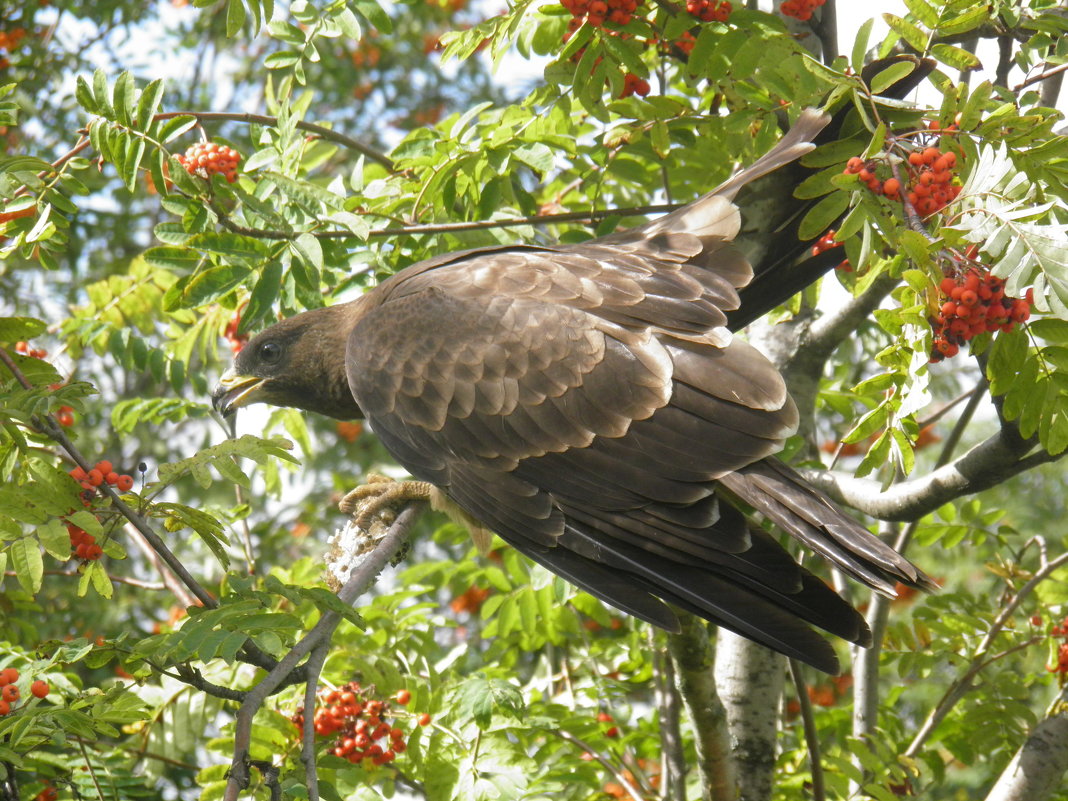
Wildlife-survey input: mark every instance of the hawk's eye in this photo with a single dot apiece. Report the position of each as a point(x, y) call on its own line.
point(270, 352)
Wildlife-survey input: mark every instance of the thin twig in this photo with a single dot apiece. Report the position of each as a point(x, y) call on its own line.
point(960, 686)
point(591, 216)
point(143, 585)
point(633, 791)
point(812, 737)
point(310, 127)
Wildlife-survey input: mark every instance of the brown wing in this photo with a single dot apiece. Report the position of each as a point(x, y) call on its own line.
point(583, 408)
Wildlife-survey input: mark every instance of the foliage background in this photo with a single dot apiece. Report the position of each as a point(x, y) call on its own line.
point(359, 142)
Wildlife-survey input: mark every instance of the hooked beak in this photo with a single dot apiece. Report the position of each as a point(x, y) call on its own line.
point(234, 391)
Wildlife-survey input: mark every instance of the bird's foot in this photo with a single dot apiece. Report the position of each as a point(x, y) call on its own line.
point(380, 493)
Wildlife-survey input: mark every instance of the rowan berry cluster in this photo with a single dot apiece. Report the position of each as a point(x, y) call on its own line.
point(10, 693)
point(49, 793)
point(34, 353)
point(709, 10)
point(363, 727)
point(651, 769)
point(1060, 667)
point(634, 85)
point(65, 414)
point(800, 9)
point(930, 176)
point(470, 600)
point(83, 545)
point(9, 40)
point(971, 304)
point(207, 158)
point(828, 242)
point(597, 12)
point(237, 341)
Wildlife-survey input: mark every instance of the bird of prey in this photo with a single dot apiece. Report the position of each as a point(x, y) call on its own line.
point(589, 404)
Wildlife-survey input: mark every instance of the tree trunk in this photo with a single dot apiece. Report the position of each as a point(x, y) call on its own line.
point(750, 680)
point(1037, 770)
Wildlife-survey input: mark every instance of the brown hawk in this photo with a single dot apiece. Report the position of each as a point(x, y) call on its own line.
point(590, 405)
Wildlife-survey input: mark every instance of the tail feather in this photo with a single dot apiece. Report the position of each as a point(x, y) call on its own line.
point(780, 494)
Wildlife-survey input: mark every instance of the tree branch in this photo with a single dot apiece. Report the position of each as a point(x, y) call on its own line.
point(1037, 770)
point(694, 656)
point(989, 463)
point(359, 580)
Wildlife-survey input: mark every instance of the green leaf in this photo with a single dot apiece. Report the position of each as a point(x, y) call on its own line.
point(211, 284)
point(823, 215)
point(14, 329)
point(923, 12)
point(478, 697)
point(123, 98)
point(309, 250)
point(179, 259)
point(915, 38)
point(891, 75)
point(148, 103)
point(55, 539)
point(858, 57)
point(28, 564)
point(263, 295)
point(235, 17)
point(84, 95)
point(955, 57)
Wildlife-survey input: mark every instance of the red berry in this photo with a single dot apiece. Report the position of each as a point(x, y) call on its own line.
point(111, 477)
point(8, 676)
point(930, 154)
point(95, 477)
point(10, 693)
point(424, 719)
point(93, 552)
point(891, 186)
point(39, 688)
point(124, 483)
point(855, 164)
point(916, 158)
point(5, 707)
point(1036, 620)
point(104, 466)
point(403, 697)
point(78, 474)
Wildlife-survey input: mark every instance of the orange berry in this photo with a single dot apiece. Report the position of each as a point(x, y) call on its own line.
point(78, 474)
point(111, 477)
point(10, 693)
point(93, 552)
point(947, 285)
point(403, 697)
point(104, 466)
point(891, 186)
point(424, 719)
point(5, 707)
point(855, 164)
point(39, 688)
point(8, 676)
point(866, 175)
point(124, 483)
point(916, 158)
point(930, 154)
point(94, 477)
